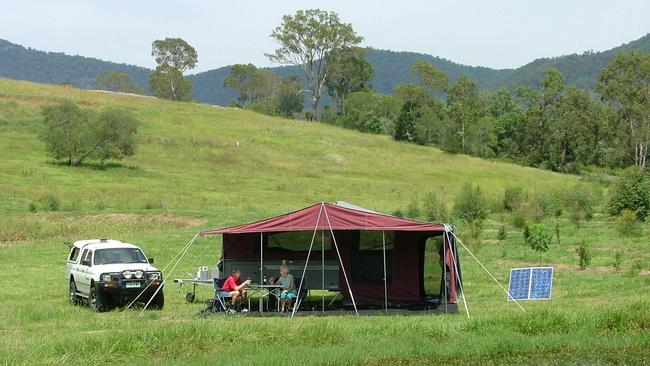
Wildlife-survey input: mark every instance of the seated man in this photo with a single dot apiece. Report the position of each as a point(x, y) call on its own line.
point(235, 287)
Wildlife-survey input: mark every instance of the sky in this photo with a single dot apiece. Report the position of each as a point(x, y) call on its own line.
point(496, 34)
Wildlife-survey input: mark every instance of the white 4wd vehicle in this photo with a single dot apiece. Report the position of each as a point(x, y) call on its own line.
point(110, 273)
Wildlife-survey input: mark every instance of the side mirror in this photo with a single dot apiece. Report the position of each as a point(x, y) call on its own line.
point(151, 260)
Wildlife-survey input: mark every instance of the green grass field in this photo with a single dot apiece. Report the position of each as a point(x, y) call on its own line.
point(200, 166)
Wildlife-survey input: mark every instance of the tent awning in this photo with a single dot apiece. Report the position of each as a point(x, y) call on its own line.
point(323, 216)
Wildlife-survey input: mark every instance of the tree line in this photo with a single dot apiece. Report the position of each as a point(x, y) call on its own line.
point(554, 126)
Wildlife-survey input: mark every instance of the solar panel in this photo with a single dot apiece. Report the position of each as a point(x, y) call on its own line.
point(534, 283)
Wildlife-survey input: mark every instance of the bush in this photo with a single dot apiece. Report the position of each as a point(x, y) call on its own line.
point(470, 204)
point(539, 239)
point(412, 210)
point(475, 228)
point(502, 234)
point(512, 197)
point(548, 205)
point(584, 255)
point(580, 203)
point(632, 192)
point(49, 203)
point(627, 223)
point(519, 218)
point(618, 260)
point(434, 209)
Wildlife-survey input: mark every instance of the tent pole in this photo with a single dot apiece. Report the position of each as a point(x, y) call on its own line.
point(462, 292)
point(338, 253)
point(261, 269)
point(304, 270)
point(444, 266)
point(322, 274)
point(383, 239)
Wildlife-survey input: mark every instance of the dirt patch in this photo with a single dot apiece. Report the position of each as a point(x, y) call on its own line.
point(559, 266)
point(645, 272)
point(335, 158)
point(181, 221)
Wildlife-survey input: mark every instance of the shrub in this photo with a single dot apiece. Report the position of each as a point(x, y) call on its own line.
point(31, 207)
point(632, 192)
point(475, 228)
point(502, 234)
point(580, 203)
point(548, 205)
point(618, 260)
point(519, 218)
point(434, 209)
point(49, 203)
point(539, 239)
point(584, 255)
point(412, 210)
point(512, 197)
point(627, 223)
point(470, 204)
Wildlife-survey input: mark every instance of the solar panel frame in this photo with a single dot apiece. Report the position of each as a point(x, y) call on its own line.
point(512, 296)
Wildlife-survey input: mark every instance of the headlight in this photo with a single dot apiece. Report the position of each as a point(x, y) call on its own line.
point(151, 276)
point(138, 274)
point(127, 274)
point(106, 277)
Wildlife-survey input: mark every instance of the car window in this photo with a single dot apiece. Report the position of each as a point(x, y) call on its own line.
point(74, 254)
point(119, 255)
point(86, 258)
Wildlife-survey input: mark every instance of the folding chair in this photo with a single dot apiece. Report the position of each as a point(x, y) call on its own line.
point(301, 298)
point(221, 297)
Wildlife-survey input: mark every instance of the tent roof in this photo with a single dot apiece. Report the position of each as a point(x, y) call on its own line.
point(323, 215)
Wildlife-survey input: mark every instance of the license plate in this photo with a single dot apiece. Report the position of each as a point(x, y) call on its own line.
point(132, 284)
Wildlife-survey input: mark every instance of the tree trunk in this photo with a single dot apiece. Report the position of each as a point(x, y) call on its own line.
point(462, 137)
point(314, 107)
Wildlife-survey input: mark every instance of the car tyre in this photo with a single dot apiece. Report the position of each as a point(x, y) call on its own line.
point(97, 301)
point(158, 301)
point(72, 294)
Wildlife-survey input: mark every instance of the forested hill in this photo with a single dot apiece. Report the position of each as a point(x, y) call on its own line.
point(391, 68)
point(18, 62)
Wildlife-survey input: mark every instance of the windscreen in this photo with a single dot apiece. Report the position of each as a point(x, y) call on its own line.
point(119, 255)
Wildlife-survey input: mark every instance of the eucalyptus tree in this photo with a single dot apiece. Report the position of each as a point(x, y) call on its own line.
point(174, 56)
point(307, 39)
point(429, 76)
point(625, 84)
point(347, 71)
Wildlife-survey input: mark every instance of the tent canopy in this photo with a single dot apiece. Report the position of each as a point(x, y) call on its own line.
point(323, 216)
point(381, 268)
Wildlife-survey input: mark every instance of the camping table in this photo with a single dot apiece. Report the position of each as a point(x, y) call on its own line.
point(261, 289)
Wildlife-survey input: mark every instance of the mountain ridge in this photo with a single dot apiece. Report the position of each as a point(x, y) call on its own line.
point(391, 68)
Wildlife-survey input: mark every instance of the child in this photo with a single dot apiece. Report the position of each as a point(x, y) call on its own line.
point(288, 287)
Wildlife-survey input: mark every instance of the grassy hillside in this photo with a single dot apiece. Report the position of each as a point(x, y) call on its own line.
point(199, 166)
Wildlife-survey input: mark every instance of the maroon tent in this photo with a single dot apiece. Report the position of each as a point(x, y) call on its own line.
point(373, 258)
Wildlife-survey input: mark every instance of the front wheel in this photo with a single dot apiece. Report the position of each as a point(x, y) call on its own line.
point(158, 301)
point(72, 294)
point(97, 301)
